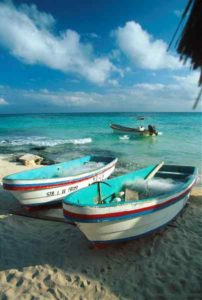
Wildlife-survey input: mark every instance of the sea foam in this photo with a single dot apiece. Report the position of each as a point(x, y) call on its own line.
point(124, 137)
point(39, 141)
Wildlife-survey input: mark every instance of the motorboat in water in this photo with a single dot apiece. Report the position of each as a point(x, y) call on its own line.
point(140, 130)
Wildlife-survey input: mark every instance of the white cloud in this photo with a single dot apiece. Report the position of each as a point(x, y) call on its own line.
point(149, 86)
point(92, 35)
point(143, 50)
point(3, 101)
point(62, 99)
point(189, 84)
point(27, 33)
point(178, 95)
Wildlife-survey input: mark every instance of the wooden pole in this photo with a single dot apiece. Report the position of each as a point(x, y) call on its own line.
point(99, 194)
point(154, 171)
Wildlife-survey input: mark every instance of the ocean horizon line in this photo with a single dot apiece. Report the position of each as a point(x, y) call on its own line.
point(101, 112)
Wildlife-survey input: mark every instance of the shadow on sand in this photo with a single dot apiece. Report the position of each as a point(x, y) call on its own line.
point(143, 267)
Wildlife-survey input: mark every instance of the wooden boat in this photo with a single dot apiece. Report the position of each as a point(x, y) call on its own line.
point(50, 184)
point(132, 205)
point(150, 131)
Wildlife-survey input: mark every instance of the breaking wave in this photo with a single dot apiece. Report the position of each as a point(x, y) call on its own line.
point(39, 141)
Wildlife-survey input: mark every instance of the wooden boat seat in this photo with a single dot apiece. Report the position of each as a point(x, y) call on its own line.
point(174, 173)
point(131, 195)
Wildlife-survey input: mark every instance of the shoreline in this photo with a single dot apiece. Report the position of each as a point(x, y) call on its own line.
point(9, 167)
point(47, 260)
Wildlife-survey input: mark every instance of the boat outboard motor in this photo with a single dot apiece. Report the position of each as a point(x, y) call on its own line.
point(152, 130)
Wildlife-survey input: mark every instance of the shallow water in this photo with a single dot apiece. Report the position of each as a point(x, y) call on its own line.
point(61, 137)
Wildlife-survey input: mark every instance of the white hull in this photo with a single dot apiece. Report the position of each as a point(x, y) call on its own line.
point(131, 228)
point(56, 194)
point(139, 212)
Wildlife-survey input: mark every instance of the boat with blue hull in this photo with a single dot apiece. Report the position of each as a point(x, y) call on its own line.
point(130, 206)
point(50, 184)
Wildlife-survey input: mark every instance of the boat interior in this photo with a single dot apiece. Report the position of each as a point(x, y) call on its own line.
point(66, 169)
point(133, 187)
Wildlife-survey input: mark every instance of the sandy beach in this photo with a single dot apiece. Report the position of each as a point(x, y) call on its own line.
point(48, 260)
point(101, 89)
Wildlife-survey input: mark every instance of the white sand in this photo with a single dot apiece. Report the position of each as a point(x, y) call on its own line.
point(48, 260)
point(7, 167)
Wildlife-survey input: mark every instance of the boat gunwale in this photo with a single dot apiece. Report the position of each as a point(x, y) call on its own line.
point(125, 129)
point(124, 203)
point(183, 187)
point(14, 182)
point(124, 215)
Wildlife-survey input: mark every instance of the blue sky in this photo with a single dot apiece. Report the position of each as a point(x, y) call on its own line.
point(92, 56)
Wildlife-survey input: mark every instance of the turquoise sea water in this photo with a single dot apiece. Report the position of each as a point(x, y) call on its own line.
point(61, 137)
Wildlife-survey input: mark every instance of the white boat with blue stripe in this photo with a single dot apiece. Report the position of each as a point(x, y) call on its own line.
point(50, 184)
point(130, 206)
